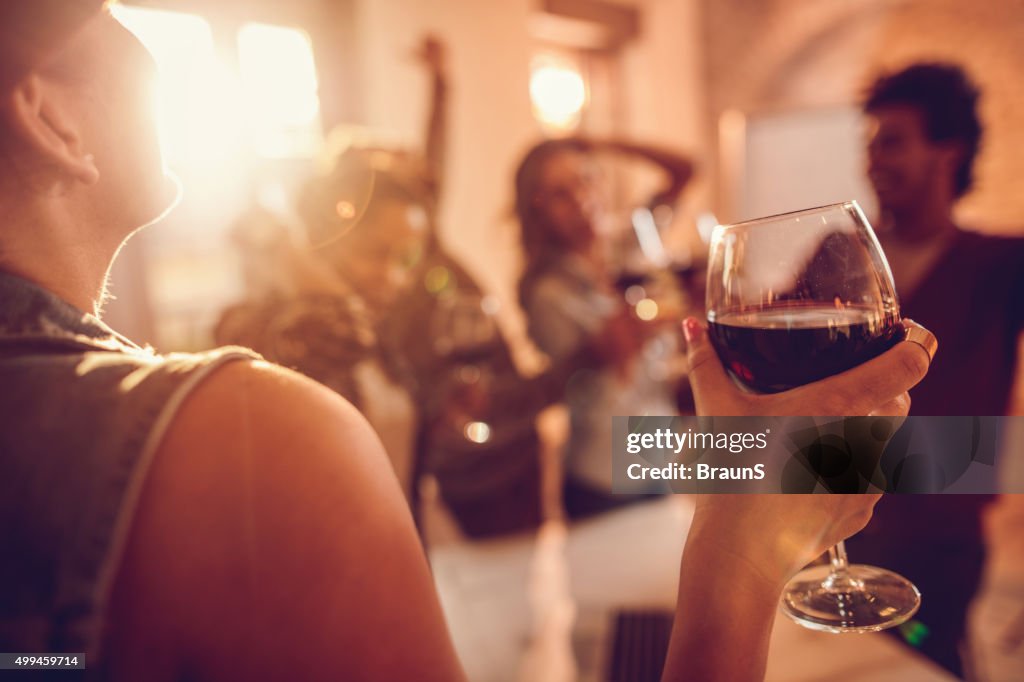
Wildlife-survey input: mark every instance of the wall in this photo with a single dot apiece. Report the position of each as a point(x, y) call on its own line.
point(664, 83)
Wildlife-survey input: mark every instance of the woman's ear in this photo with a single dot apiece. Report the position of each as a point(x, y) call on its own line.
point(44, 129)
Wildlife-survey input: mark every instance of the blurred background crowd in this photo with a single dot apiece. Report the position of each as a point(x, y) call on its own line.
point(717, 81)
point(482, 221)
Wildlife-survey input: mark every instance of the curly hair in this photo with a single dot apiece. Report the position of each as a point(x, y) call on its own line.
point(947, 101)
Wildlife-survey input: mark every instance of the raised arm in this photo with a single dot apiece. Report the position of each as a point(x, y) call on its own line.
point(678, 168)
point(742, 549)
point(740, 552)
point(432, 55)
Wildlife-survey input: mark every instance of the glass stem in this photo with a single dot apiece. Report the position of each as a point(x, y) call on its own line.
point(839, 578)
point(837, 557)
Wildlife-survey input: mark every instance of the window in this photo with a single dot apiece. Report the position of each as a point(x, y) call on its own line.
point(210, 110)
point(279, 81)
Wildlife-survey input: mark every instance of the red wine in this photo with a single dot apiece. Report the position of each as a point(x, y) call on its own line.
point(779, 348)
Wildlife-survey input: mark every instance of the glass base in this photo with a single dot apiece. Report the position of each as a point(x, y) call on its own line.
point(865, 599)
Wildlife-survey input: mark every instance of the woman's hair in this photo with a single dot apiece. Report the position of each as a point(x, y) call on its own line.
point(539, 243)
point(33, 38)
point(32, 32)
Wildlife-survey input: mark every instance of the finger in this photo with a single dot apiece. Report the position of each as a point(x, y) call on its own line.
point(865, 388)
point(706, 374)
point(896, 411)
point(860, 516)
point(897, 407)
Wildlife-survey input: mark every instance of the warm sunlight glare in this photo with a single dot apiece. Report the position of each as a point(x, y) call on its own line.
point(280, 84)
point(212, 112)
point(199, 103)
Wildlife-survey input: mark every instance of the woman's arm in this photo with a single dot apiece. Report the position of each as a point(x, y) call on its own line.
point(742, 549)
point(678, 168)
point(740, 552)
point(432, 54)
point(272, 541)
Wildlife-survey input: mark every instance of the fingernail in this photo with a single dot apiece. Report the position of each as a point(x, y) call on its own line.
point(691, 329)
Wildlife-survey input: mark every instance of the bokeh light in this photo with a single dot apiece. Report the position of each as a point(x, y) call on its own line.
point(437, 279)
point(346, 210)
point(477, 432)
point(558, 93)
point(647, 309)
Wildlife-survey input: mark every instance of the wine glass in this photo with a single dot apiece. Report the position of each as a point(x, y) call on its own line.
point(652, 278)
point(792, 299)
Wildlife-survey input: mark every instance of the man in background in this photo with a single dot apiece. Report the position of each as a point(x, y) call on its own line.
point(924, 136)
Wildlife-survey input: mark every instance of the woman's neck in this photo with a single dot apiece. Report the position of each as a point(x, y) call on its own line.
point(62, 255)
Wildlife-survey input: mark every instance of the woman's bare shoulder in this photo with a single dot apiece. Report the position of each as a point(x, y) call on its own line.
point(270, 511)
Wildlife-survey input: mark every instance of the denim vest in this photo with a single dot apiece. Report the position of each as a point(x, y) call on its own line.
point(82, 411)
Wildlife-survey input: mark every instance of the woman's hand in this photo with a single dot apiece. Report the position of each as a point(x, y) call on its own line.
point(742, 549)
point(431, 53)
point(620, 341)
point(877, 387)
point(740, 552)
point(776, 535)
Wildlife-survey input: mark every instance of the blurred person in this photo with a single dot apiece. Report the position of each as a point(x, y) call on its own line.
point(924, 136)
point(491, 480)
point(212, 516)
point(296, 311)
point(451, 407)
point(568, 293)
point(315, 299)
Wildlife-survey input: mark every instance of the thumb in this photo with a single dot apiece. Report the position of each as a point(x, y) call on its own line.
point(707, 376)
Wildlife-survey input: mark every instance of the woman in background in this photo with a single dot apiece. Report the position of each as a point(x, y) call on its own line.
point(568, 292)
point(369, 303)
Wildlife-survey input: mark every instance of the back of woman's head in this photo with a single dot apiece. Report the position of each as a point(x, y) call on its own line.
point(31, 35)
point(32, 32)
point(77, 119)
